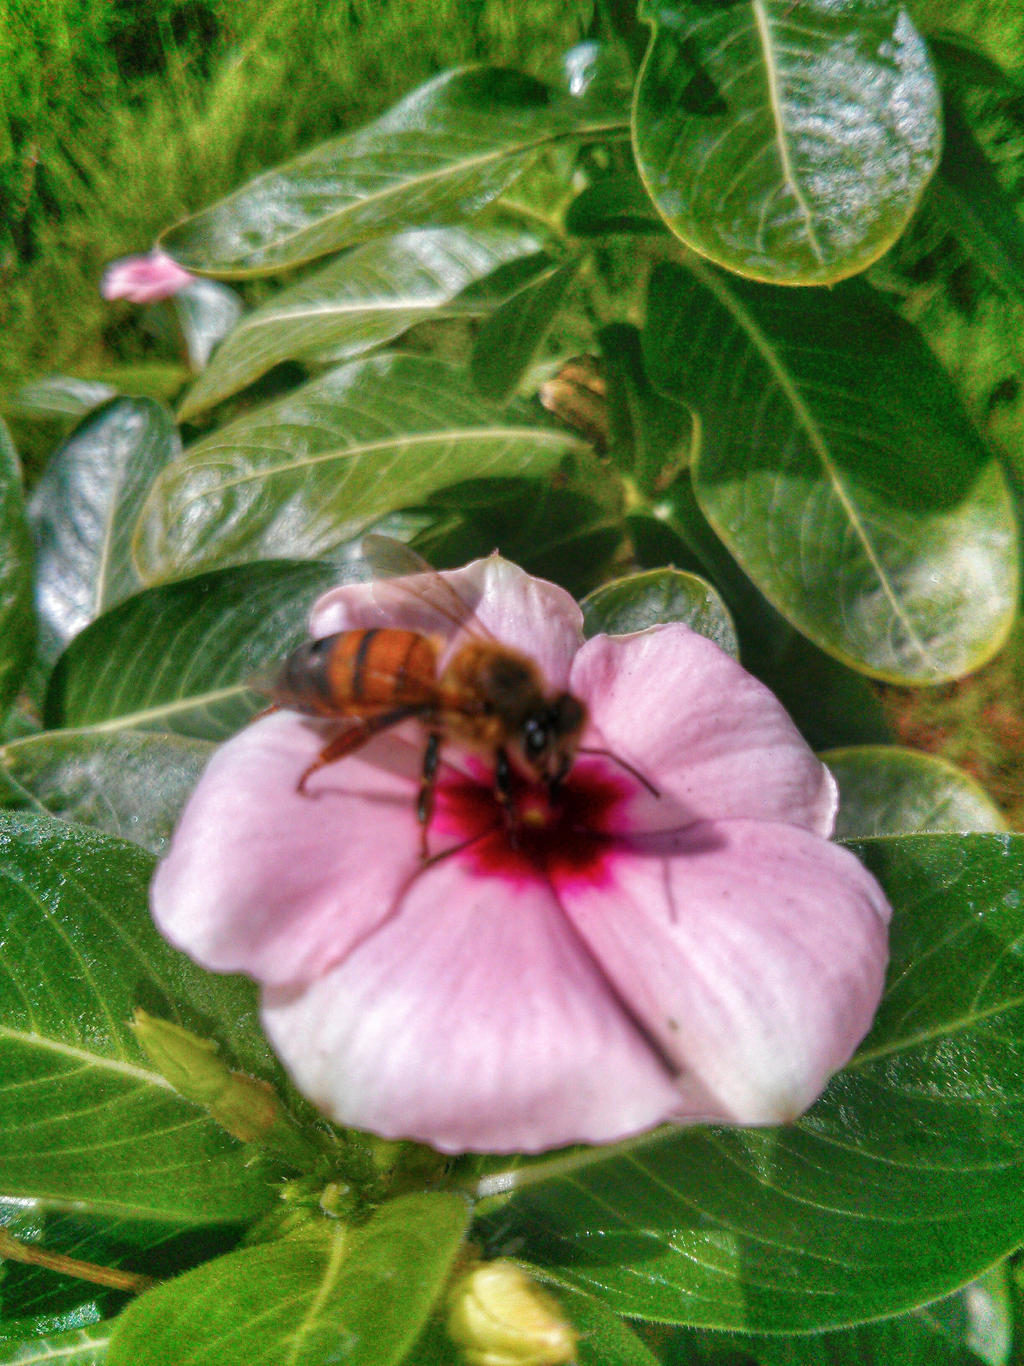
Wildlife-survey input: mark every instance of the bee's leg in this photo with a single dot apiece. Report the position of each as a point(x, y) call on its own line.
point(350, 739)
point(274, 706)
point(428, 785)
point(503, 792)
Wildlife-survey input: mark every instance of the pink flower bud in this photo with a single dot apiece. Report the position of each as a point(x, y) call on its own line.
point(144, 279)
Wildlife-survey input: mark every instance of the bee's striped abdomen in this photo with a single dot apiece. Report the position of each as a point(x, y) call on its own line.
point(382, 668)
point(359, 673)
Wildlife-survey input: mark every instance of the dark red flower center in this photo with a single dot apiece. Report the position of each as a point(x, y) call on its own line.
point(557, 835)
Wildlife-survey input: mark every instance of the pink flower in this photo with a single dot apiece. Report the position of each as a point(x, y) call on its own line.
point(702, 955)
point(144, 279)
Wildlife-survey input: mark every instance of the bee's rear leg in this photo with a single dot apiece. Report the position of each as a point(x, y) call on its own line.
point(428, 786)
point(350, 739)
point(335, 749)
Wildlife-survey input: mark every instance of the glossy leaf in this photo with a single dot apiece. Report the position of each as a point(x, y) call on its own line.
point(84, 1118)
point(17, 628)
point(352, 1295)
point(600, 70)
point(207, 311)
point(128, 783)
point(300, 477)
point(84, 509)
point(58, 396)
point(886, 790)
point(986, 1312)
point(512, 336)
point(789, 143)
point(179, 658)
point(858, 497)
point(78, 1347)
point(362, 299)
point(847, 1214)
point(446, 150)
point(640, 600)
point(982, 215)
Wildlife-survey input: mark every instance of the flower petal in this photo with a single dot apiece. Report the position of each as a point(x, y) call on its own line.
point(708, 735)
point(280, 884)
point(753, 952)
point(531, 615)
point(472, 1020)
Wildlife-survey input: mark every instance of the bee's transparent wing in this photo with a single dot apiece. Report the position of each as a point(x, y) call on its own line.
point(400, 573)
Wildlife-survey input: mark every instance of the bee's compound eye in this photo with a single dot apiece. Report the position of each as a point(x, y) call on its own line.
point(536, 738)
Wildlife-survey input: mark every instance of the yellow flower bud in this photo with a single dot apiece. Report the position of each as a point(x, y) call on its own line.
point(498, 1316)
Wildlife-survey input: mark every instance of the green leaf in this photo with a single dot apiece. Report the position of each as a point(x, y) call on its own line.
point(987, 1312)
point(652, 436)
point(359, 301)
point(179, 658)
point(939, 1334)
point(902, 1183)
point(446, 150)
point(604, 1339)
point(886, 790)
point(567, 532)
point(975, 207)
point(302, 476)
point(79, 1347)
point(601, 70)
point(17, 627)
point(613, 203)
point(857, 496)
point(789, 143)
point(84, 508)
point(58, 396)
point(38, 1301)
point(512, 336)
point(84, 1119)
point(673, 530)
point(357, 1296)
point(640, 600)
point(830, 703)
point(962, 62)
point(206, 312)
point(128, 783)
point(992, 29)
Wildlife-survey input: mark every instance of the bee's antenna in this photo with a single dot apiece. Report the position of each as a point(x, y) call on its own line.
point(607, 753)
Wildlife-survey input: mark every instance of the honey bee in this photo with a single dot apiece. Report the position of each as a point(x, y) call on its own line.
point(488, 697)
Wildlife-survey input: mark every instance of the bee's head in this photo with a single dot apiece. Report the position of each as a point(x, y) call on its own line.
point(548, 736)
